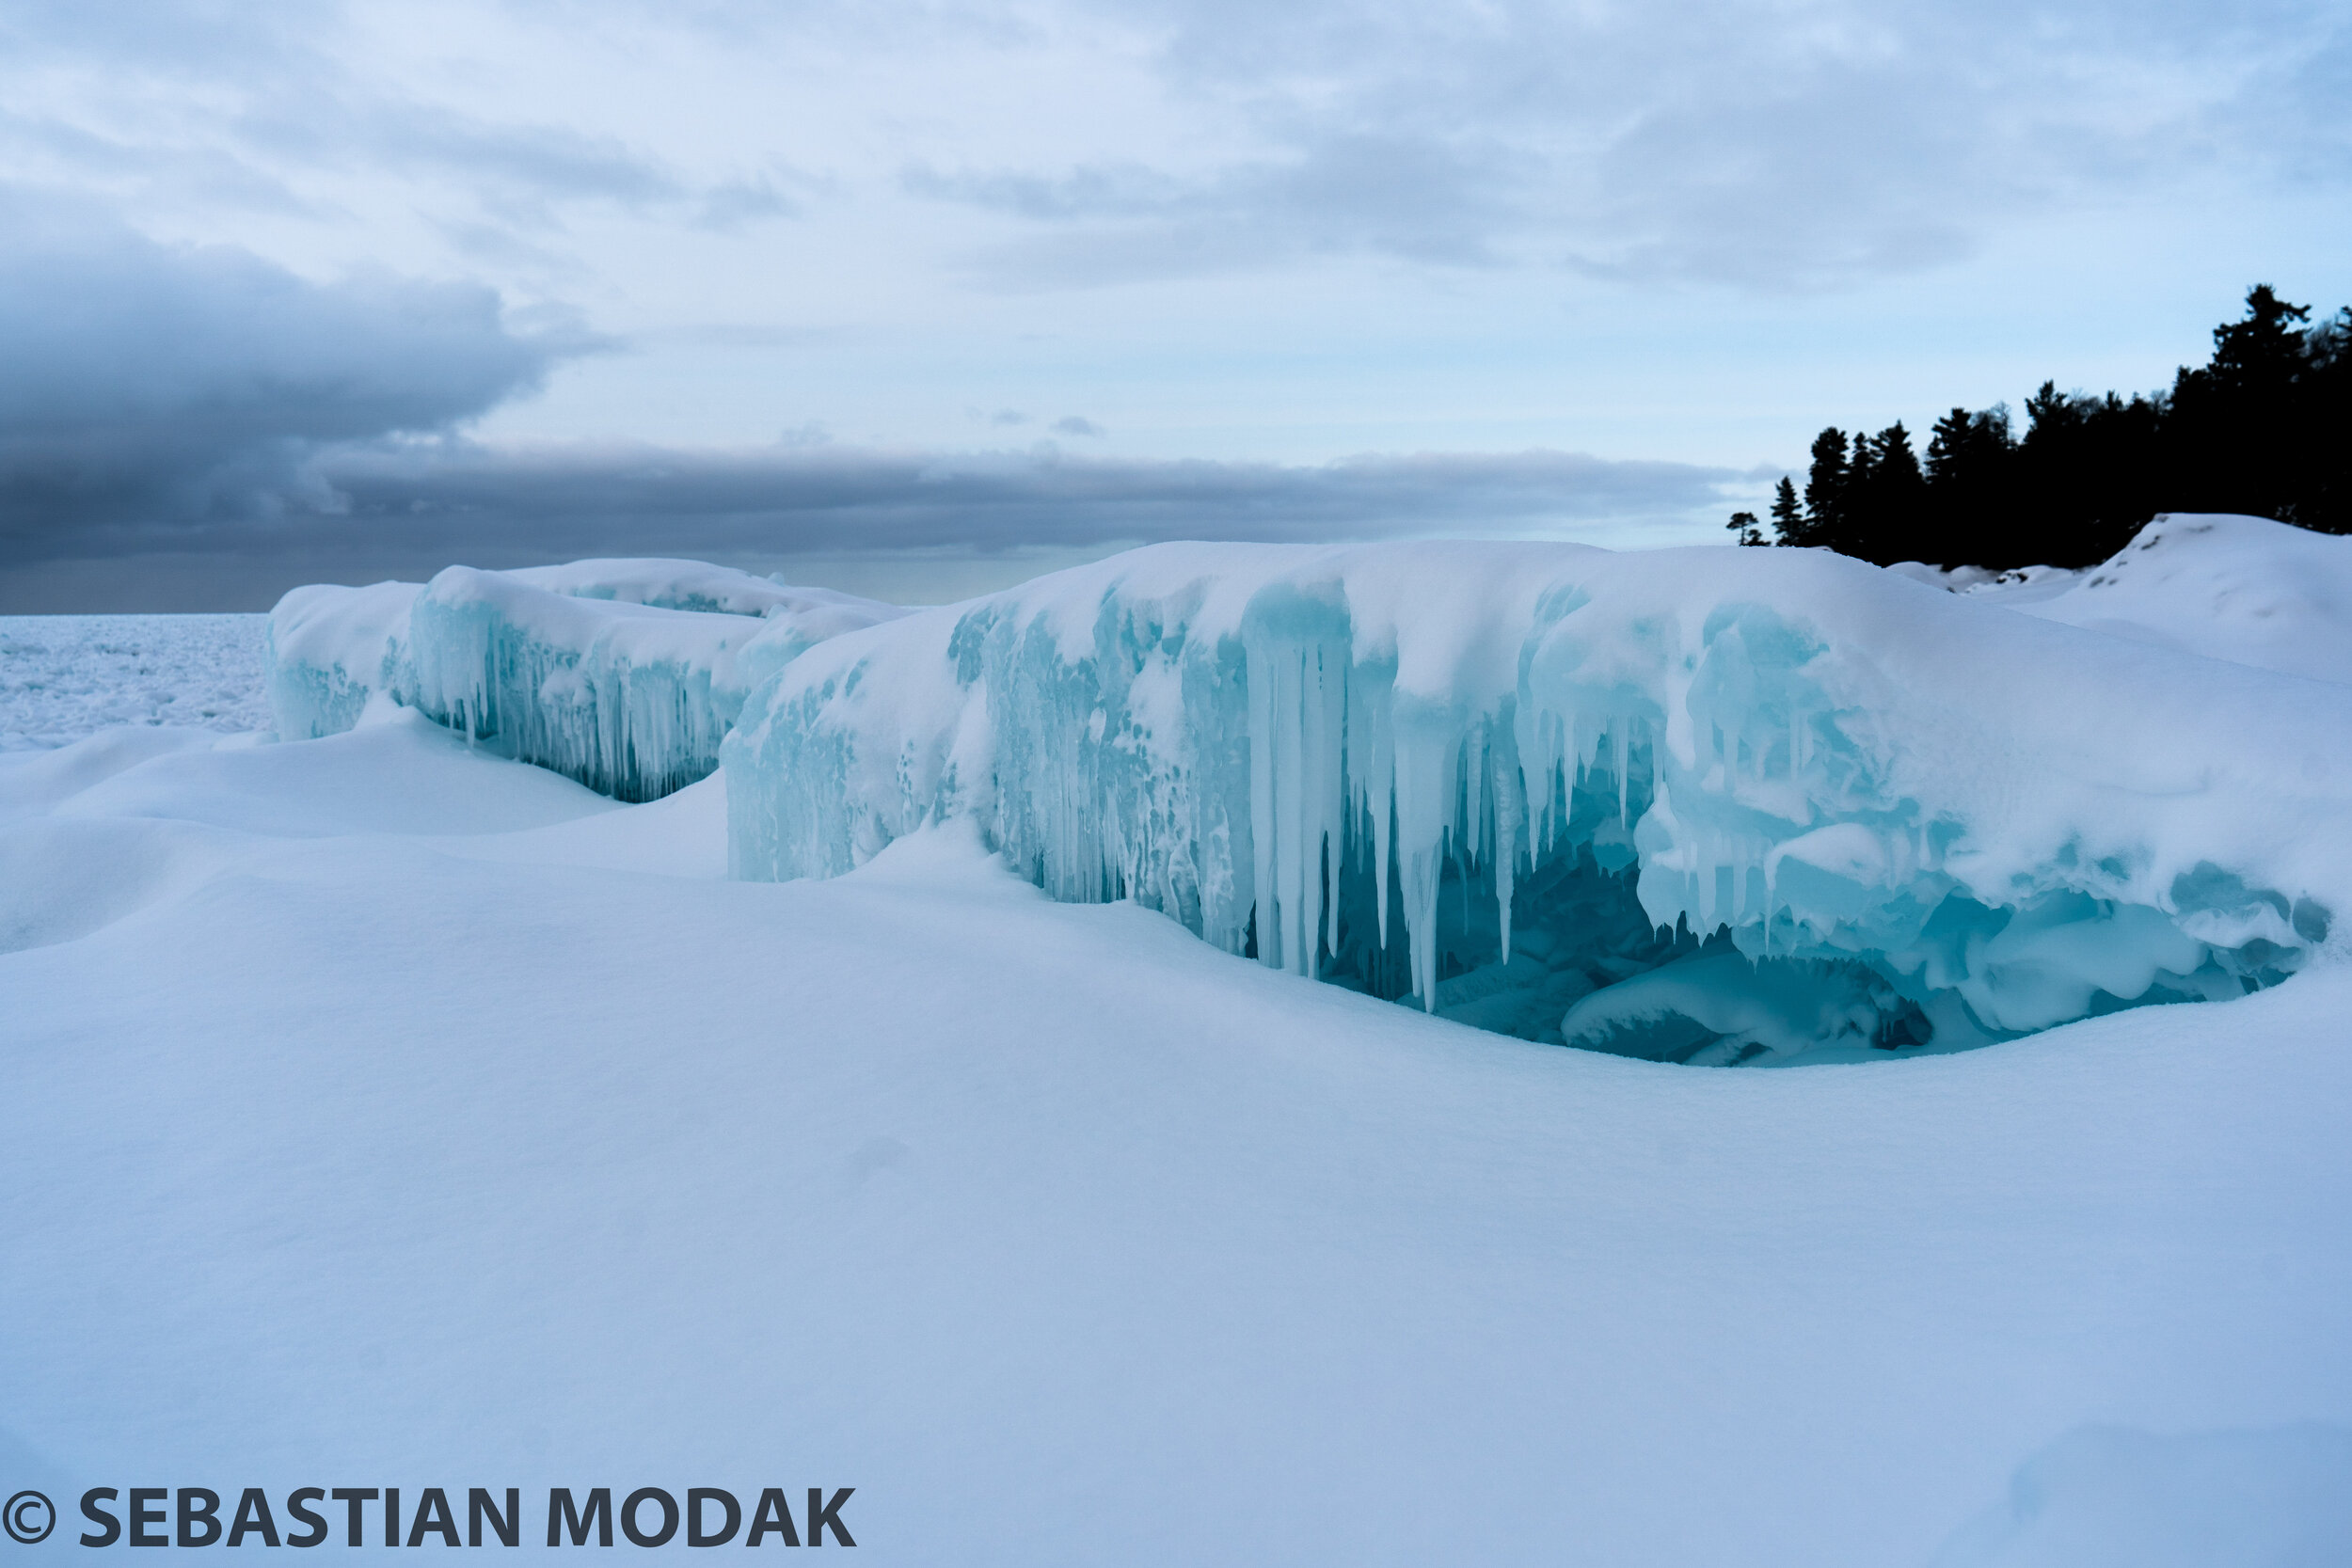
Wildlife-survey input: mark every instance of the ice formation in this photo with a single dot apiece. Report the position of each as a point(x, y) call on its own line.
point(330, 649)
point(1713, 805)
point(623, 674)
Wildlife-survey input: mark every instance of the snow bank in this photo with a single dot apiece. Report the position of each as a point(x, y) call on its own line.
point(2243, 589)
point(623, 674)
point(1819, 808)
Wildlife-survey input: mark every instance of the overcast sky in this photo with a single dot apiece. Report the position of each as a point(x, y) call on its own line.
point(921, 298)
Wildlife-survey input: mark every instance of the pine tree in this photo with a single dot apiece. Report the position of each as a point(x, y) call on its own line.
point(1745, 526)
point(1947, 445)
point(2240, 435)
point(1788, 521)
point(1890, 522)
point(2264, 353)
point(1826, 489)
point(2326, 386)
point(1968, 486)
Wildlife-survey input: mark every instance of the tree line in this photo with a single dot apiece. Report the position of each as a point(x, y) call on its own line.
point(2264, 427)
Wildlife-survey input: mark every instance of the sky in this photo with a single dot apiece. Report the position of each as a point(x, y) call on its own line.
point(920, 299)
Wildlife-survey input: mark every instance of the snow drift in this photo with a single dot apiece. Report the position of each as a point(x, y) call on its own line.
point(623, 674)
point(1711, 806)
point(2242, 589)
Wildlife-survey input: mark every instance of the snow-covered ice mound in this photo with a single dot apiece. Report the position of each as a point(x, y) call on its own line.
point(623, 674)
point(333, 648)
point(1710, 805)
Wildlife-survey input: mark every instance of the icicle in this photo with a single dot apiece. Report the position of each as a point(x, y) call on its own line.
point(1616, 734)
point(1338, 832)
point(1510, 814)
point(1426, 774)
point(1474, 790)
point(1383, 715)
point(1262, 706)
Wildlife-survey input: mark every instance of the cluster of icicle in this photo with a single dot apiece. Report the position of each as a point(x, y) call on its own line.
point(1822, 761)
point(623, 674)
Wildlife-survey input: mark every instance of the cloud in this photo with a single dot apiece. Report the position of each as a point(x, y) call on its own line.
point(180, 415)
point(1340, 191)
point(193, 106)
point(787, 501)
point(1788, 146)
point(149, 392)
point(1802, 145)
point(408, 508)
point(1798, 146)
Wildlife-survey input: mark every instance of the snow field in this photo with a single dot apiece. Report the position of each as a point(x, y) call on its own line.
point(437, 1121)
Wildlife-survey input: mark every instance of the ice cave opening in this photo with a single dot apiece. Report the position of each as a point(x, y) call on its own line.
point(1582, 962)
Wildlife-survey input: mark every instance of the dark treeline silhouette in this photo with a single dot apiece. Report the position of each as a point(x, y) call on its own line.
point(2264, 427)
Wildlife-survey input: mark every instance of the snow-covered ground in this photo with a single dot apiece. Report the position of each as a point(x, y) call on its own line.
point(66, 676)
point(385, 1112)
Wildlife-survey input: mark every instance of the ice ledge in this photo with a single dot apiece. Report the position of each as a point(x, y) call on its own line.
point(623, 674)
point(1798, 803)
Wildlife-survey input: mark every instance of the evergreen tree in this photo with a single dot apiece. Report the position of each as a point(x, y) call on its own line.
point(1824, 490)
point(1745, 526)
point(2263, 354)
point(1788, 521)
point(1968, 472)
point(2325, 503)
point(1967, 450)
point(1894, 502)
point(1861, 471)
point(2242, 434)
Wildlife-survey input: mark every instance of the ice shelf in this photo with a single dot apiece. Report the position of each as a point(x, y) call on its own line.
point(623, 674)
point(1713, 805)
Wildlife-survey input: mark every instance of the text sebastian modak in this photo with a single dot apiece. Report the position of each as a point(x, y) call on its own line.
point(369, 1515)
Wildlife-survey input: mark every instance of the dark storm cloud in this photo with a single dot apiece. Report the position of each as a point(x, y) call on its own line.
point(797, 500)
point(386, 510)
point(150, 393)
point(195, 426)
